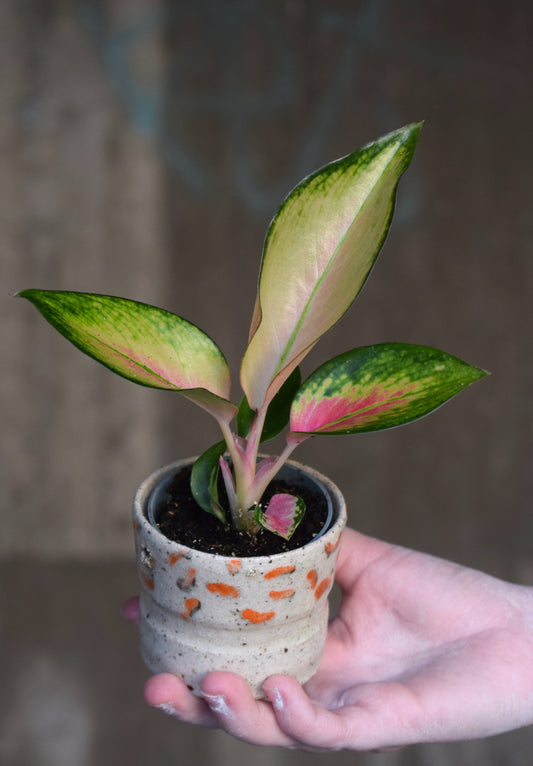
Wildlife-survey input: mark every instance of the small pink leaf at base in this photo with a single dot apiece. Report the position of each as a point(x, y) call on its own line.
point(283, 514)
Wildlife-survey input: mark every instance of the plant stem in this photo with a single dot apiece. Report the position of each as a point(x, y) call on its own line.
point(244, 488)
point(255, 491)
point(230, 441)
point(237, 484)
point(254, 437)
point(239, 519)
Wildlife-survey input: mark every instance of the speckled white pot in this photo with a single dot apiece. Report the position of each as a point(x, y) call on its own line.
point(255, 616)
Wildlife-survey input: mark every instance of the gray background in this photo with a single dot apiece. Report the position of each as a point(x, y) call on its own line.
point(144, 148)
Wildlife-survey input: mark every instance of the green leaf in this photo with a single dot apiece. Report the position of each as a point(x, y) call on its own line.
point(278, 411)
point(204, 480)
point(378, 387)
point(142, 343)
point(245, 418)
point(318, 253)
point(280, 407)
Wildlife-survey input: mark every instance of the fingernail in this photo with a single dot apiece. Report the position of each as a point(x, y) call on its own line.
point(217, 703)
point(167, 708)
point(276, 698)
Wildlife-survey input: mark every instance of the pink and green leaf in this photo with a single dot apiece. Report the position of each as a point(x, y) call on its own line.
point(282, 515)
point(377, 387)
point(144, 344)
point(318, 252)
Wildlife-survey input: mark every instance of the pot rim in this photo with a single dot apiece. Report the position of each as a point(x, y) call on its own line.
point(334, 498)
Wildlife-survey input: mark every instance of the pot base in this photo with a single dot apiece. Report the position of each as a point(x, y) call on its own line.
point(252, 654)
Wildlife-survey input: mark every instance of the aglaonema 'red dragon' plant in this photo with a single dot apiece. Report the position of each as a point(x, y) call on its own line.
point(318, 252)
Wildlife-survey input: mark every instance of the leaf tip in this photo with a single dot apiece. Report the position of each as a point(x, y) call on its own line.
point(23, 294)
point(476, 373)
point(410, 134)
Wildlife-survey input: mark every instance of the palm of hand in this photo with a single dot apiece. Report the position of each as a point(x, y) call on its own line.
point(422, 650)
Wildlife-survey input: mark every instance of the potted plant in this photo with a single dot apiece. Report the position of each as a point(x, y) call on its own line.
point(236, 550)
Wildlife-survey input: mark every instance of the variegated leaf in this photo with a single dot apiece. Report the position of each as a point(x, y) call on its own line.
point(283, 514)
point(318, 252)
point(145, 344)
point(377, 387)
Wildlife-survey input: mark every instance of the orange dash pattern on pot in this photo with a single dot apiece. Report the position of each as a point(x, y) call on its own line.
point(279, 571)
point(312, 576)
point(322, 587)
point(331, 547)
point(257, 617)
point(277, 594)
point(147, 581)
point(233, 566)
point(173, 558)
point(222, 589)
point(191, 606)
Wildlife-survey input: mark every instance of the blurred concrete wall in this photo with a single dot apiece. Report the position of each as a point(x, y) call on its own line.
point(144, 148)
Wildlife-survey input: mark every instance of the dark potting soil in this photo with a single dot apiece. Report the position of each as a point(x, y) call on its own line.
point(181, 519)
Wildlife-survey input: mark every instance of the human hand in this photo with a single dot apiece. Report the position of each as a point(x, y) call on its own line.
point(423, 650)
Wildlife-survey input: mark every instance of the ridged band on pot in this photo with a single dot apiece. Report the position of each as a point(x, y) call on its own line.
point(256, 616)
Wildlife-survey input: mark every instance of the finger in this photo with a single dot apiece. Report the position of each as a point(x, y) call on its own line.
point(239, 714)
point(356, 553)
point(170, 695)
point(351, 726)
point(303, 720)
point(130, 609)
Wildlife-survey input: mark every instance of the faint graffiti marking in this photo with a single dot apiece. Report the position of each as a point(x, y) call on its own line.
point(160, 109)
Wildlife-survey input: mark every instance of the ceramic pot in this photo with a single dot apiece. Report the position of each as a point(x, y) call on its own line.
point(255, 616)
